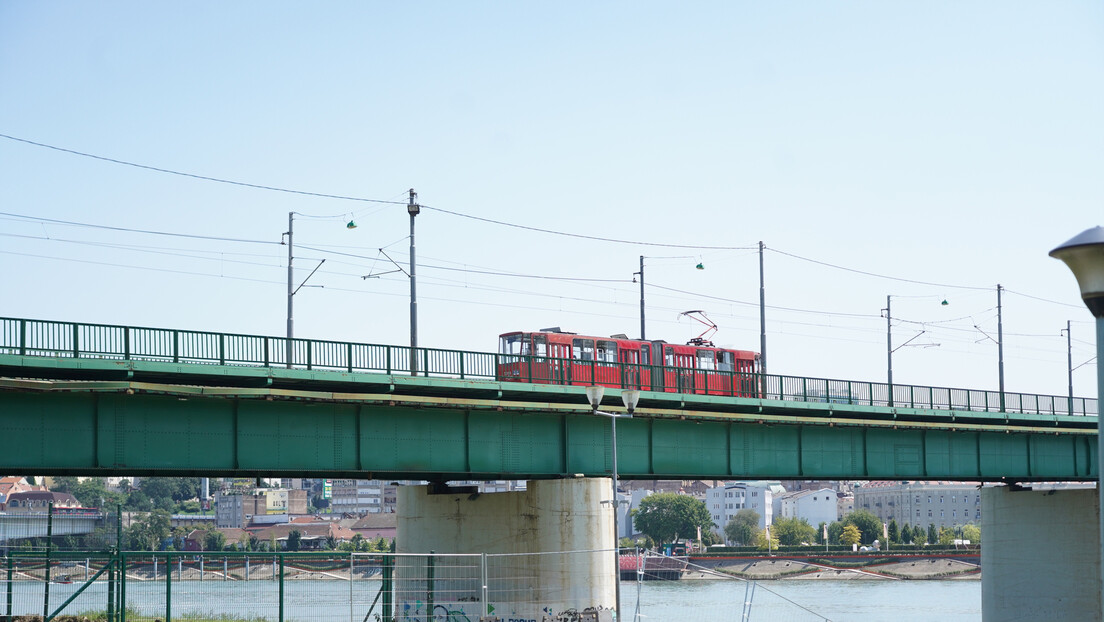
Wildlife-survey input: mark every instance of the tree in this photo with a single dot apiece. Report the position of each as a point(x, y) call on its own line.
point(933, 535)
point(850, 535)
point(894, 532)
point(667, 516)
point(294, 539)
point(147, 533)
point(869, 526)
point(793, 531)
point(742, 526)
point(214, 540)
point(835, 531)
point(946, 535)
point(906, 534)
point(761, 540)
point(972, 533)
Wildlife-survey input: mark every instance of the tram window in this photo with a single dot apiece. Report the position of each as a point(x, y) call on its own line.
point(646, 355)
point(706, 359)
point(725, 361)
point(583, 349)
point(669, 357)
point(511, 344)
point(540, 345)
point(607, 351)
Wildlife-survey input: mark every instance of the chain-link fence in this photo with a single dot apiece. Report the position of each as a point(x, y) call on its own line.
point(143, 587)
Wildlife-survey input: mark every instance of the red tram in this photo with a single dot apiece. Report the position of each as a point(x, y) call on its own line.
point(552, 356)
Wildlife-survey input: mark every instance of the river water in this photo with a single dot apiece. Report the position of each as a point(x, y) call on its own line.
point(676, 601)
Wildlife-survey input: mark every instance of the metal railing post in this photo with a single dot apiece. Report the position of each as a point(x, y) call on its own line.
point(486, 609)
point(49, 545)
point(22, 337)
point(429, 587)
point(126, 344)
point(11, 575)
point(222, 349)
point(388, 584)
point(168, 588)
point(111, 588)
point(349, 357)
point(76, 341)
point(176, 346)
point(281, 588)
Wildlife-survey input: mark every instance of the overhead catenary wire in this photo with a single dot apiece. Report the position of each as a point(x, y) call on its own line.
point(488, 220)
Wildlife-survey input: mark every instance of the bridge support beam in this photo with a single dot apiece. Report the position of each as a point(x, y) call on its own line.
point(1040, 559)
point(548, 549)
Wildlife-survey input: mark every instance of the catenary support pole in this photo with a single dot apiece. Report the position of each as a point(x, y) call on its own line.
point(290, 290)
point(889, 352)
point(641, 273)
point(413, 209)
point(1000, 347)
point(762, 314)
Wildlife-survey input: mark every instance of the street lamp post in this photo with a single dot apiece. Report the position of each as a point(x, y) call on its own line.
point(1084, 256)
point(629, 399)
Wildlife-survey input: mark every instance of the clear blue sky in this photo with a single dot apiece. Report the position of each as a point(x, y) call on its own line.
point(943, 142)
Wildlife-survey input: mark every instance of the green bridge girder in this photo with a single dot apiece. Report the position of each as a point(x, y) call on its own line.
point(103, 417)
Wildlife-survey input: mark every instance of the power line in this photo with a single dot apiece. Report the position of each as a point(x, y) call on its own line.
point(874, 274)
point(586, 237)
point(1053, 302)
point(195, 176)
point(343, 197)
point(129, 230)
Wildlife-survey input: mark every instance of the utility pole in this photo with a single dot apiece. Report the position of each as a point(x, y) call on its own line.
point(1000, 347)
point(762, 315)
point(889, 352)
point(641, 273)
point(291, 291)
point(413, 209)
point(1069, 363)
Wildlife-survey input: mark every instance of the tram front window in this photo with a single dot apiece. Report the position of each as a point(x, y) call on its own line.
point(513, 344)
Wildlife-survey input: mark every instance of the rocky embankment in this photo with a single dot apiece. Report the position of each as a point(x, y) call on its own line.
point(884, 568)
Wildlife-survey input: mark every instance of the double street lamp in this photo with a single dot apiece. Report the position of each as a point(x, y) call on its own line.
point(629, 398)
point(1084, 256)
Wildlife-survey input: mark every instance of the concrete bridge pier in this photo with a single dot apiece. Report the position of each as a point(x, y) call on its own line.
point(549, 549)
point(1040, 558)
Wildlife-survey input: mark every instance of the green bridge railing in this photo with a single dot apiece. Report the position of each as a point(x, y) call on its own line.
point(46, 338)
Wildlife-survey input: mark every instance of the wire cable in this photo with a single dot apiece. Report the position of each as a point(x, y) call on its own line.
point(878, 275)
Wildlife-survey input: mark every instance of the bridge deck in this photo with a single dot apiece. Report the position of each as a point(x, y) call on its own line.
point(171, 418)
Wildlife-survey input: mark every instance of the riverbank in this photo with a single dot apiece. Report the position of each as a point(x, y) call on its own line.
point(837, 569)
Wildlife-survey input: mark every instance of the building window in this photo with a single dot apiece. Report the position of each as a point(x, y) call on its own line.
point(917, 512)
point(929, 513)
point(940, 513)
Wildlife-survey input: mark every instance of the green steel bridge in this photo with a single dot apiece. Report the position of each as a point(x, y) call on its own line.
point(94, 399)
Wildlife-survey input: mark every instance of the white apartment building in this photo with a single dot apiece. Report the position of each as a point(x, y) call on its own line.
point(921, 503)
point(361, 496)
point(815, 506)
point(725, 501)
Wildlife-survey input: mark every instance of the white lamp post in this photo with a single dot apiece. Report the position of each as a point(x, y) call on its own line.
point(1084, 255)
point(629, 399)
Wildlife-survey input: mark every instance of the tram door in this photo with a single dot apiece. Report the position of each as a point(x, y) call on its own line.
point(559, 363)
point(629, 359)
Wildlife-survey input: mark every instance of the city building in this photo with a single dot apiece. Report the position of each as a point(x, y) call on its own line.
point(35, 501)
point(726, 500)
point(262, 506)
point(16, 483)
point(363, 496)
point(921, 503)
point(815, 506)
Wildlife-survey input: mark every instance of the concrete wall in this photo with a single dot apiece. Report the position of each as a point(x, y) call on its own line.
point(1040, 555)
point(535, 526)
